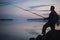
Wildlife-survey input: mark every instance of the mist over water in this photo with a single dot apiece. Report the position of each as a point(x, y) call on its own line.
point(19, 28)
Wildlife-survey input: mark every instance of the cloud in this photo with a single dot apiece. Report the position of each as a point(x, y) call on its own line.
point(12, 0)
point(45, 10)
point(41, 10)
point(46, 14)
point(4, 2)
point(38, 6)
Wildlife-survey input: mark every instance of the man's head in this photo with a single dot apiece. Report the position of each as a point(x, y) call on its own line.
point(52, 8)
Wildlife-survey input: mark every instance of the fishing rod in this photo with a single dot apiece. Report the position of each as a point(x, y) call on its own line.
point(26, 10)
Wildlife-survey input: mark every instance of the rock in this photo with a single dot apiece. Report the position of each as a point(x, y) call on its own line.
point(51, 35)
point(32, 39)
point(39, 37)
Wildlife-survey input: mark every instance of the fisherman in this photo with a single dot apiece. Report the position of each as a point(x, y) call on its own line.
point(52, 20)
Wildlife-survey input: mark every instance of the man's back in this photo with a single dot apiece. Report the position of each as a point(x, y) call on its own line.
point(53, 17)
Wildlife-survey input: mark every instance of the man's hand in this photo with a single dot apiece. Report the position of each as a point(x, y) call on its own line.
point(45, 18)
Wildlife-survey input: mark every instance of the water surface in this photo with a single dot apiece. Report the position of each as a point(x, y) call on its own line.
point(21, 30)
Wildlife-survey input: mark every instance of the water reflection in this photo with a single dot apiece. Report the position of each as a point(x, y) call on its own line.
point(20, 30)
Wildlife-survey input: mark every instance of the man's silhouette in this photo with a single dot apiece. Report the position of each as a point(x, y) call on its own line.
point(52, 19)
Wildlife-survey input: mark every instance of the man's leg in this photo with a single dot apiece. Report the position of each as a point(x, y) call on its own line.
point(44, 29)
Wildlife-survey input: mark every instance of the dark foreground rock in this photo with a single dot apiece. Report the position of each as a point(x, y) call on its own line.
point(51, 35)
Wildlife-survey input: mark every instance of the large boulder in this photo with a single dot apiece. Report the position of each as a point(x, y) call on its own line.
point(51, 35)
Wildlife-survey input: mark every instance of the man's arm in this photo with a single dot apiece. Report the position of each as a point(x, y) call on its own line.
point(46, 18)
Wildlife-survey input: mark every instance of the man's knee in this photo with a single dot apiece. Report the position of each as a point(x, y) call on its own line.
point(44, 29)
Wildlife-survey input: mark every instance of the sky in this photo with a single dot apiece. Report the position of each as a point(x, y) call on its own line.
point(41, 7)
